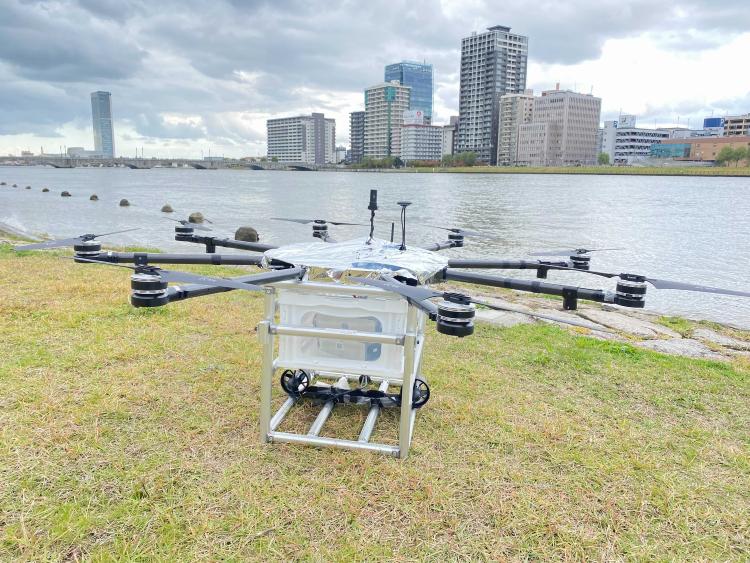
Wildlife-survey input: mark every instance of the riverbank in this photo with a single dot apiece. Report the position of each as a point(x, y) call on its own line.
point(582, 170)
point(132, 434)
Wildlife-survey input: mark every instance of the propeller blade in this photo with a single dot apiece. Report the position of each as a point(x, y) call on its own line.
point(459, 231)
point(186, 223)
point(306, 221)
point(668, 284)
point(570, 252)
point(117, 232)
point(582, 324)
point(50, 244)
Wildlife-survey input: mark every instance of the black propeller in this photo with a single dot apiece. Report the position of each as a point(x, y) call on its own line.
point(462, 232)
point(570, 252)
point(68, 241)
point(317, 221)
point(417, 295)
point(187, 223)
point(184, 277)
point(659, 283)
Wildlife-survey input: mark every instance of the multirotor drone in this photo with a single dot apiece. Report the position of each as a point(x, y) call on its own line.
point(350, 316)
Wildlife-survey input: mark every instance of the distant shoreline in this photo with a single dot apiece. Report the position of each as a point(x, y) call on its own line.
point(571, 170)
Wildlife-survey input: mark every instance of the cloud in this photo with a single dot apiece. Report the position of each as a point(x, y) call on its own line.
point(188, 73)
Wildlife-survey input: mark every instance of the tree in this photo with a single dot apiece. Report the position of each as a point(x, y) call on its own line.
point(275, 159)
point(742, 153)
point(726, 155)
point(603, 158)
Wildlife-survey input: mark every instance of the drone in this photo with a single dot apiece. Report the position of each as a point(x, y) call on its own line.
point(344, 321)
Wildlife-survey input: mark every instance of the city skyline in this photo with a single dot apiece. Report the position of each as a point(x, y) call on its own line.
point(178, 94)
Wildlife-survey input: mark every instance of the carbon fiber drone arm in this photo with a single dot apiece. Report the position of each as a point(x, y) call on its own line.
point(440, 246)
point(212, 242)
point(144, 258)
point(570, 294)
point(503, 264)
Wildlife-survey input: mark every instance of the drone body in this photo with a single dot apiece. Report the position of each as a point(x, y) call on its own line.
point(354, 312)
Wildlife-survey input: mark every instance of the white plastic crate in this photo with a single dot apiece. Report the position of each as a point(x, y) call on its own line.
point(385, 314)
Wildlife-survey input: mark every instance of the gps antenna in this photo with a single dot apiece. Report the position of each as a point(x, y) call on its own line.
point(373, 207)
point(404, 205)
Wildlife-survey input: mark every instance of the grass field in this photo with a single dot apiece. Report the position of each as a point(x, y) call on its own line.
point(590, 170)
point(132, 435)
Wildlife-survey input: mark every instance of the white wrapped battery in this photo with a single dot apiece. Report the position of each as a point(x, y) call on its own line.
point(383, 314)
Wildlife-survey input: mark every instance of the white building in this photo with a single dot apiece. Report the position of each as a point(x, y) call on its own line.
point(421, 142)
point(626, 143)
point(515, 110)
point(493, 63)
point(449, 139)
point(306, 139)
point(385, 105)
point(568, 138)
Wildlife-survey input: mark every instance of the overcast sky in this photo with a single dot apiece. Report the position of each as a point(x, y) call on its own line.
point(188, 75)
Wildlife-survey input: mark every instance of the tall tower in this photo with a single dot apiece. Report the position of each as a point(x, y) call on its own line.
point(101, 115)
point(357, 135)
point(492, 64)
point(384, 115)
point(419, 77)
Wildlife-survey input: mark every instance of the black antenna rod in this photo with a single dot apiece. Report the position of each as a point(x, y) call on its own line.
point(404, 205)
point(373, 207)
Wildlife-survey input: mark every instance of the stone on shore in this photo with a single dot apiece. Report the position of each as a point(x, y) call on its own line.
point(167, 209)
point(28, 187)
point(501, 318)
point(681, 347)
point(708, 335)
point(45, 190)
point(628, 324)
point(65, 193)
point(94, 197)
point(124, 203)
point(247, 234)
point(196, 217)
point(15, 185)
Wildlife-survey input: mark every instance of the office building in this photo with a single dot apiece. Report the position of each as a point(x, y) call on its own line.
point(101, 115)
point(562, 131)
point(419, 77)
point(420, 141)
point(701, 148)
point(626, 143)
point(305, 139)
point(340, 155)
point(714, 126)
point(515, 110)
point(385, 105)
point(357, 136)
point(492, 64)
point(449, 139)
point(737, 125)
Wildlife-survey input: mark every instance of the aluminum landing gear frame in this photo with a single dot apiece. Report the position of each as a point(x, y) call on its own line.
point(404, 346)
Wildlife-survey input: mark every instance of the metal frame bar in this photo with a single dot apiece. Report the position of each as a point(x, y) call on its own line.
point(412, 341)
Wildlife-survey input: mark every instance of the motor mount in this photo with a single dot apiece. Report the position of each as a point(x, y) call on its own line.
point(630, 291)
point(148, 290)
point(455, 316)
point(87, 249)
point(581, 262)
point(320, 230)
point(457, 239)
point(183, 233)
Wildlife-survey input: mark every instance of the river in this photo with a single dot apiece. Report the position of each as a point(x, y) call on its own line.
point(693, 229)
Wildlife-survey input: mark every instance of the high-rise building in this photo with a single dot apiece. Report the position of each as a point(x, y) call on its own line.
point(737, 125)
point(420, 140)
point(624, 142)
point(309, 139)
point(514, 111)
point(419, 77)
point(384, 114)
point(562, 131)
point(101, 116)
point(357, 136)
point(449, 139)
point(492, 64)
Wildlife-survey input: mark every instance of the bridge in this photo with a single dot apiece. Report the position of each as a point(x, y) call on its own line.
point(148, 163)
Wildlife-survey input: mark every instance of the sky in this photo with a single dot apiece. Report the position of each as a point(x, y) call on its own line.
point(188, 77)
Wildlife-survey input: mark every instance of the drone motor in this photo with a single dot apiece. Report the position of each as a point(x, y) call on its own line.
point(580, 261)
point(148, 290)
point(87, 248)
point(631, 291)
point(455, 315)
point(457, 239)
point(320, 230)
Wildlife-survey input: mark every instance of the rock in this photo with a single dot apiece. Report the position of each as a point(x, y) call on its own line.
point(15, 185)
point(681, 347)
point(608, 336)
point(708, 335)
point(247, 234)
point(65, 194)
point(624, 323)
point(124, 203)
point(501, 318)
point(167, 209)
point(45, 190)
point(28, 187)
point(94, 197)
point(196, 217)
point(3, 184)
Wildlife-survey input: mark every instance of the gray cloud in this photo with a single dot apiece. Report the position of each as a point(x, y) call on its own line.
point(230, 56)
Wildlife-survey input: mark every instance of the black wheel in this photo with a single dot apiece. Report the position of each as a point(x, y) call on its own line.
point(295, 383)
point(421, 394)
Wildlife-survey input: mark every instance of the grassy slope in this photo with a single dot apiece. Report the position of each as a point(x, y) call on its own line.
point(133, 434)
point(605, 170)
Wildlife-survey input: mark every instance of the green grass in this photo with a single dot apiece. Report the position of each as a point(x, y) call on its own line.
point(133, 435)
point(596, 170)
